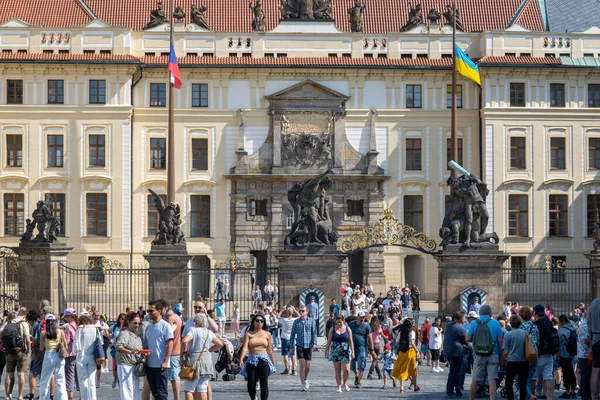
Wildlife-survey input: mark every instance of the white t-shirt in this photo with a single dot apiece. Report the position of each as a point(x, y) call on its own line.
point(286, 327)
point(435, 342)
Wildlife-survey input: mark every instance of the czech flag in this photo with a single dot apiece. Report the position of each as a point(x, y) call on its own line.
point(174, 69)
point(465, 66)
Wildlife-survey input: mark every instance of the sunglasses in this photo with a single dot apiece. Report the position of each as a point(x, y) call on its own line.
point(197, 308)
point(261, 321)
point(302, 311)
point(136, 323)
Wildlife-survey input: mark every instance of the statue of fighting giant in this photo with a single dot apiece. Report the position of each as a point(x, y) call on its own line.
point(312, 222)
point(466, 216)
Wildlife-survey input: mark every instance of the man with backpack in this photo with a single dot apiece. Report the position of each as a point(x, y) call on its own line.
point(486, 335)
point(15, 341)
point(549, 345)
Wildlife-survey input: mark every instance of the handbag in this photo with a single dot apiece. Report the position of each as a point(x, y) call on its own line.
point(187, 372)
point(62, 347)
point(99, 353)
point(139, 368)
point(530, 353)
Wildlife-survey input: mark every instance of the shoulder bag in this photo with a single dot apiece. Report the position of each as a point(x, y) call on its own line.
point(99, 353)
point(530, 353)
point(62, 346)
point(190, 367)
point(139, 368)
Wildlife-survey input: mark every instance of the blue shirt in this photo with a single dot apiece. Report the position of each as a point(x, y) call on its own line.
point(304, 333)
point(157, 336)
point(314, 309)
point(405, 299)
point(220, 309)
point(475, 307)
point(334, 309)
point(495, 330)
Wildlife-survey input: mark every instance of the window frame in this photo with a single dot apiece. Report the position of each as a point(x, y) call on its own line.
point(15, 97)
point(97, 212)
point(558, 275)
point(412, 213)
point(593, 153)
point(259, 208)
point(515, 149)
point(459, 96)
point(593, 96)
point(555, 159)
point(410, 87)
point(518, 269)
point(197, 153)
point(155, 151)
point(17, 148)
point(554, 215)
point(200, 216)
point(96, 146)
point(55, 208)
point(16, 225)
point(516, 214)
point(96, 274)
point(355, 208)
point(100, 96)
point(52, 150)
point(514, 94)
point(58, 97)
point(591, 212)
point(554, 95)
point(158, 94)
point(413, 151)
point(198, 88)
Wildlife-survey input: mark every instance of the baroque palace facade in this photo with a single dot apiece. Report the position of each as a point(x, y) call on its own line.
point(83, 120)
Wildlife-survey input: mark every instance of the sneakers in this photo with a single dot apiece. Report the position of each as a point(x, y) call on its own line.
point(115, 384)
point(434, 369)
point(305, 386)
point(286, 372)
point(356, 381)
point(440, 369)
point(293, 372)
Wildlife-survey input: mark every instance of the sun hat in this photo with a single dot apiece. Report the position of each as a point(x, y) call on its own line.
point(69, 311)
point(472, 314)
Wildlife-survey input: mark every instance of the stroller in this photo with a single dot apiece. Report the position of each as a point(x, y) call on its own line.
point(228, 359)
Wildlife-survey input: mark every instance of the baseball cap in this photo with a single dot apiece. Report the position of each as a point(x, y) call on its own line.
point(69, 311)
point(50, 317)
point(539, 310)
point(84, 313)
point(472, 314)
point(387, 347)
point(361, 313)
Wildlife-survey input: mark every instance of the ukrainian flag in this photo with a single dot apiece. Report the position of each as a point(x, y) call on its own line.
point(466, 67)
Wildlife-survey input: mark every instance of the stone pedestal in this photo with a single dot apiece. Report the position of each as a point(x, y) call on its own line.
point(38, 272)
point(594, 258)
point(459, 269)
point(168, 276)
point(321, 268)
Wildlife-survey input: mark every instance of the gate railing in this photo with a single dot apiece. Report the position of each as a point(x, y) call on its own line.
point(9, 279)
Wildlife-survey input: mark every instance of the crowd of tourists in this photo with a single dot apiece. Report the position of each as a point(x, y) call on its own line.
point(524, 350)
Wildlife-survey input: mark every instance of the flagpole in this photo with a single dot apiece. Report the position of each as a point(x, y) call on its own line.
point(454, 137)
point(171, 129)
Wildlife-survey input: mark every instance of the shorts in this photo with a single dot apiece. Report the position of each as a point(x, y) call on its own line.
point(199, 385)
point(285, 349)
point(359, 361)
point(596, 355)
point(16, 361)
point(425, 349)
point(35, 367)
point(387, 372)
point(405, 312)
point(545, 367)
point(435, 354)
point(485, 365)
point(304, 354)
point(174, 368)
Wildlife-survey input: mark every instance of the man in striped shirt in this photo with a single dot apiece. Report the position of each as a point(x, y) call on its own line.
point(304, 337)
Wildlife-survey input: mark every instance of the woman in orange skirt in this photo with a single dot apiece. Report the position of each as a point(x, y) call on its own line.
point(406, 364)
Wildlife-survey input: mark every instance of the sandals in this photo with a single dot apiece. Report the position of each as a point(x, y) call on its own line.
point(347, 388)
point(401, 390)
point(418, 388)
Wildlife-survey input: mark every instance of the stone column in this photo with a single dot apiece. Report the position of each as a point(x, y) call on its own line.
point(276, 126)
point(339, 135)
point(459, 269)
point(595, 275)
point(39, 272)
point(168, 276)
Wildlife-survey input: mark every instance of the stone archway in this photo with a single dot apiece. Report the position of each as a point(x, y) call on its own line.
point(303, 299)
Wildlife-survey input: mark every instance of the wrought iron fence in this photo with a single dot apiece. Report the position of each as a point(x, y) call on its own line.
point(109, 286)
point(561, 287)
point(9, 278)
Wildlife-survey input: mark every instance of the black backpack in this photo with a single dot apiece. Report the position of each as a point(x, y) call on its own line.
point(572, 343)
point(11, 338)
point(550, 339)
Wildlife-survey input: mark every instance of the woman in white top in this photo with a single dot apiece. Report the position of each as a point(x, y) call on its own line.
point(287, 321)
point(83, 348)
point(435, 344)
point(359, 301)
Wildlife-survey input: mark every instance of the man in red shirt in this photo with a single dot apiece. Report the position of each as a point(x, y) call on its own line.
point(425, 342)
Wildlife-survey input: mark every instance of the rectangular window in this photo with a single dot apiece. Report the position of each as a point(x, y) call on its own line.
point(413, 154)
point(14, 150)
point(97, 151)
point(593, 212)
point(356, 208)
point(413, 212)
point(14, 214)
point(518, 215)
point(557, 95)
point(56, 91)
point(594, 95)
point(517, 152)
point(200, 95)
point(55, 151)
point(558, 269)
point(200, 216)
point(518, 269)
point(413, 96)
point(200, 154)
point(153, 217)
point(449, 152)
point(14, 91)
point(558, 215)
point(517, 94)
point(258, 207)
point(459, 100)
point(57, 203)
point(97, 91)
point(557, 153)
point(594, 153)
point(96, 212)
point(158, 153)
point(96, 270)
point(158, 95)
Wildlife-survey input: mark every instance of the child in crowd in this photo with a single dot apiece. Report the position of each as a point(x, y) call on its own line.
point(389, 359)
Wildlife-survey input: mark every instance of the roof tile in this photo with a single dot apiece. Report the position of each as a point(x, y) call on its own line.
point(48, 13)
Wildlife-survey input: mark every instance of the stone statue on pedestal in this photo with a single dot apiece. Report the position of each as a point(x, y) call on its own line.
point(258, 19)
point(451, 14)
point(48, 225)
point(356, 16)
point(199, 16)
point(178, 14)
point(305, 9)
point(169, 229)
point(434, 16)
point(415, 18)
point(312, 224)
point(466, 216)
point(157, 17)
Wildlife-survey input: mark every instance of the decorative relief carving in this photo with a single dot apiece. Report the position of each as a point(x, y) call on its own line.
point(306, 139)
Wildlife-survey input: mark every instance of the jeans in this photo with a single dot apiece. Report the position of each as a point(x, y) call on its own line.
point(456, 376)
point(86, 372)
point(158, 380)
point(53, 365)
point(275, 336)
point(586, 375)
point(258, 373)
point(513, 369)
point(129, 384)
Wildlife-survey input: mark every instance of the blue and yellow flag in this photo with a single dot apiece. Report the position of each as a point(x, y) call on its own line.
point(466, 67)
